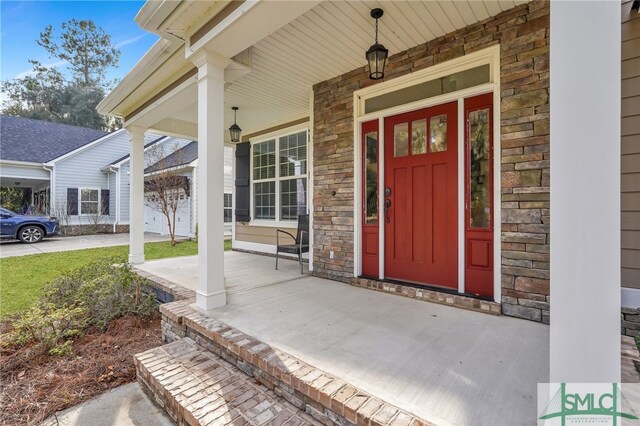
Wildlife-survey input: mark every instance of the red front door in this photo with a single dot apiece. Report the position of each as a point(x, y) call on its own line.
point(420, 216)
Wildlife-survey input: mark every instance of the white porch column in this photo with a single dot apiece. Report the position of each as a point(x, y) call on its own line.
point(211, 291)
point(585, 191)
point(136, 195)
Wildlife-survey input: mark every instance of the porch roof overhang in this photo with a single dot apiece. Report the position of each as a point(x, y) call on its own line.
point(279, 50)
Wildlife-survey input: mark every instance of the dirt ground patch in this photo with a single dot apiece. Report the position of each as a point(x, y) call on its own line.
point(35, 385)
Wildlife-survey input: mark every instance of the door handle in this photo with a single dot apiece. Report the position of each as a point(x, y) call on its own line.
point(387, 206)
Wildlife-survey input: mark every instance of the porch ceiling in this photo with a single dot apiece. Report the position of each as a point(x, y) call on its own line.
point(328, 40)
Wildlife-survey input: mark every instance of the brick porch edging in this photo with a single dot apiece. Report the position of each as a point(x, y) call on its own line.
point(325, 397)
point(448, 299)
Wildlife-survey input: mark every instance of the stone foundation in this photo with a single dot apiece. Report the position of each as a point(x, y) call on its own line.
point(103, 228)
point(630, 322)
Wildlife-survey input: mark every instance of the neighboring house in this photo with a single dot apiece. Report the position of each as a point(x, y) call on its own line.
point(184, 161)
point(28, 151)
point(82, 175)
point(437, 176)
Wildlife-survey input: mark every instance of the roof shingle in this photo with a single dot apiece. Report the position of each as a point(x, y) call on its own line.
point(38, 141)
point(184, 155)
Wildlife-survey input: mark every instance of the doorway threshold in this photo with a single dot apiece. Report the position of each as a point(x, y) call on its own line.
point(442, 296)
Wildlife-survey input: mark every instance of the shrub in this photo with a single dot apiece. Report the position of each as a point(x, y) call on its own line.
point(92, 295)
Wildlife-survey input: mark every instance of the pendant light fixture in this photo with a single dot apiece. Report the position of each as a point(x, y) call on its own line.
point(235, 130)
point(377, 53)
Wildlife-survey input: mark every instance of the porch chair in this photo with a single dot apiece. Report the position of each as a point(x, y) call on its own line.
point(301, 241)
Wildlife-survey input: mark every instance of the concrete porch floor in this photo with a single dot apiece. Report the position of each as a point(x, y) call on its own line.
point(444, 364)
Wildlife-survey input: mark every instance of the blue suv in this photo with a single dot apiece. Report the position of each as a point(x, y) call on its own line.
point(28, 229)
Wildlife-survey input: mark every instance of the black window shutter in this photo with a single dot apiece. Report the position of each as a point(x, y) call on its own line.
point(72, 201)
point(104, 198)
point(243, 193)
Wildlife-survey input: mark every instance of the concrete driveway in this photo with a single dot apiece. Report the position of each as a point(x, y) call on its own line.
point(49, 245)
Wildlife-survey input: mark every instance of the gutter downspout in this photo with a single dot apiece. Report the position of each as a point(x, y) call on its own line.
point(116, 170)
point(49, 167)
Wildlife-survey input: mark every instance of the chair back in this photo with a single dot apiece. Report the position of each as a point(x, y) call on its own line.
point(303, 225)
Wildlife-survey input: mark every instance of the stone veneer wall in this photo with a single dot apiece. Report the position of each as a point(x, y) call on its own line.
point(630, 322)
point(523, 36)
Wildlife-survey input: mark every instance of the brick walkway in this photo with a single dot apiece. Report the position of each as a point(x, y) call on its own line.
point(197, 387)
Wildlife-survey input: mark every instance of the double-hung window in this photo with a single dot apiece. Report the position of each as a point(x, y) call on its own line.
point(228, 200)
point(279, 177)
point(89, 201)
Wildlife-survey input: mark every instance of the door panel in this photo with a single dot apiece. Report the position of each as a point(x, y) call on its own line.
point(421, 236)
point(479, 195)
point(370, 219)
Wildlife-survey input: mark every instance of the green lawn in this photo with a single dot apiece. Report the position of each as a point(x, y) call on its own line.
point(23, 278)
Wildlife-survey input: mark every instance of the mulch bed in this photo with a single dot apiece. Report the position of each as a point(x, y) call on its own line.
point(35, 385)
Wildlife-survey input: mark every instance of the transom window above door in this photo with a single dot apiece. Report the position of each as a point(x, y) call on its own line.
point(427, 136)
point(279, 177)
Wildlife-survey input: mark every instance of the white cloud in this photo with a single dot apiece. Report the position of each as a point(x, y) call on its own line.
point(130, 40)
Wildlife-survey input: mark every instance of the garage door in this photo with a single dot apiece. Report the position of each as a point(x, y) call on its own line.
point(153, 217)
point(183, 216)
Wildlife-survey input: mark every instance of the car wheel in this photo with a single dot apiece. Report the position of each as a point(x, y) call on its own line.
point(31, 234)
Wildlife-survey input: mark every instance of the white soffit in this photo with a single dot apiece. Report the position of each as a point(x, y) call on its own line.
point(325, 42)
point(330, 40)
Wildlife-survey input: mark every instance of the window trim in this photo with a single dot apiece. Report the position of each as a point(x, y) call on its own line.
point(230, 207)
point(80, 189)
point(277, 179)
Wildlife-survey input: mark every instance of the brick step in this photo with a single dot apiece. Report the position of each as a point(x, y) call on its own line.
point(325, 397)
point(195, 387)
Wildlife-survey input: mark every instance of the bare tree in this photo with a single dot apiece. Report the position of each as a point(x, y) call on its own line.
point(60, 210)
point(168, 187)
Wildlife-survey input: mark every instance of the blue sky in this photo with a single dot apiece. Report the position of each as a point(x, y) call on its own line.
point(22, 21)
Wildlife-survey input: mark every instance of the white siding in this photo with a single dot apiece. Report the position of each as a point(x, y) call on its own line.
point(630, 145)
point(83, 169)
point(228, 168)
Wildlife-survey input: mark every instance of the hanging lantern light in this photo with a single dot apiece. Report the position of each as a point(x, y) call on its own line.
point(235, 130)
point(377, 53)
